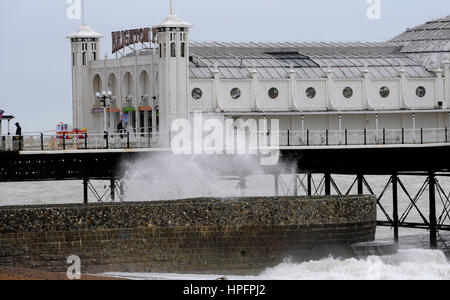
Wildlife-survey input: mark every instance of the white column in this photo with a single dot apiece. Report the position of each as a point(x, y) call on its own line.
point(146, 122)
point(254, 89)
point(112, 125)
point(329, 90)
point(414, 126)
point(376, 124)
point(216, 86)
point(153, 112)
point(138, 120)
point(292, 87)
point(448, 125)
point(303, 127)
point(439, 89)
point(447, 84)
point(403, 85)
point(366, 88)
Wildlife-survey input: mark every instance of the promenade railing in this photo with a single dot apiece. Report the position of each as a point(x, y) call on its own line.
point(365, 137)
point(132, 140)
point(82, 141)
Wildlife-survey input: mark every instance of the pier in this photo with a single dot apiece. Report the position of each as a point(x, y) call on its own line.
point(396, 154)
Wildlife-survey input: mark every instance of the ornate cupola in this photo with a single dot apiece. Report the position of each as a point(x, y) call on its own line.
point(85, 47)
point(173, 44)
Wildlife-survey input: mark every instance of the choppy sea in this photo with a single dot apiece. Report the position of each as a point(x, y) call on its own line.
point(414, 260)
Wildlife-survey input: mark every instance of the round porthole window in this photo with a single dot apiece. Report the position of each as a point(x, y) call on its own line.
point(348, 92)
point(311, 93)
point(384, 92)
point(421, 92)
point(197, 94)
point(235, 93)
point(273, 93)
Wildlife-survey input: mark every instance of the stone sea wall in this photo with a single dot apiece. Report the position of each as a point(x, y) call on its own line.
point(243, 235)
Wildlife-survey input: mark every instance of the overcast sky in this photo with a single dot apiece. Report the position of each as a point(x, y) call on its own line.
point(35, 78)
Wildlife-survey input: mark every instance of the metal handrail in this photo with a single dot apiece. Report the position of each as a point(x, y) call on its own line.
point(126, 139)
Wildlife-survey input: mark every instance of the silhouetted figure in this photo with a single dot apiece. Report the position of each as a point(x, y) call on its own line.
point(18, 130)
point(120, 128)
point(18, 139)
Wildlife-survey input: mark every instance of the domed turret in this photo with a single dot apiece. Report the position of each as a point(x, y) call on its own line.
point(85, 47)
point(173, 45)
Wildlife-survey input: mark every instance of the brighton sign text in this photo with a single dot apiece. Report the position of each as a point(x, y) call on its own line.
point(121, 39)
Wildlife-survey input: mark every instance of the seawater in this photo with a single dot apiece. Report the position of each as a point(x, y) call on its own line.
point(410, 264)
point(414, 260)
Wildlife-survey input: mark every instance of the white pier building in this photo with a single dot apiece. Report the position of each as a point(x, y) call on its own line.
point(402, 83)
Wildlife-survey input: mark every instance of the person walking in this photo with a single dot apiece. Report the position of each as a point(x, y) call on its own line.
point(120, 129)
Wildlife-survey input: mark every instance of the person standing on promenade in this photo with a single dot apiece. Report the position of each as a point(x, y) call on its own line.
point(18, 138)
point(120, 129)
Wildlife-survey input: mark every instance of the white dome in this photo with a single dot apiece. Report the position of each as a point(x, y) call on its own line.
point(85, 32)
point(174, 21)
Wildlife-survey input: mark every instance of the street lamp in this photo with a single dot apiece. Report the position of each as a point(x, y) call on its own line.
point(105, 101)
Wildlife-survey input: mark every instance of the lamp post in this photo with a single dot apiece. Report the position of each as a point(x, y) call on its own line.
point(105, 101)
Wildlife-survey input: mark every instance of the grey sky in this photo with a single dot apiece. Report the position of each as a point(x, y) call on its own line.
point(35, 77)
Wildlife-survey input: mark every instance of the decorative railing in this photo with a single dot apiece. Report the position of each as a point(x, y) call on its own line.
point(83, 141)
point(130, 140)
point(364, 137)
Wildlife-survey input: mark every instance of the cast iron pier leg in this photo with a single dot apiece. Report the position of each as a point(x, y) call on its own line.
point(395, 206)
point(85, 190)
point(113, 190)
point(360, 184)
point(277, 185)
point(122, 190)
point(295, 185)
point(310, 192)
point(242, 185)
point(327, 184)
point(433, 222)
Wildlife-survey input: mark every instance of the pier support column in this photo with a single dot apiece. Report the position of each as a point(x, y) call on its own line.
point(85, 191)
point(360, 184)
point(122, 190)
point(327, 184)
point(433, 222)
point(113, 190)
point(242, 185)
point(295, 185)
point(395, 206)
point(277, 185)
point(310, 191)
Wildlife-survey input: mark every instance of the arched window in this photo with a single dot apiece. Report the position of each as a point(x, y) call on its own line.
point(160, 50)
point(173, 50)
point(183, 49)
point(94, 56)
point(74, 59)
point(84, 58)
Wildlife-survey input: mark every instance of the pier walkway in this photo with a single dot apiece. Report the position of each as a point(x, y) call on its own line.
point(127, 140)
